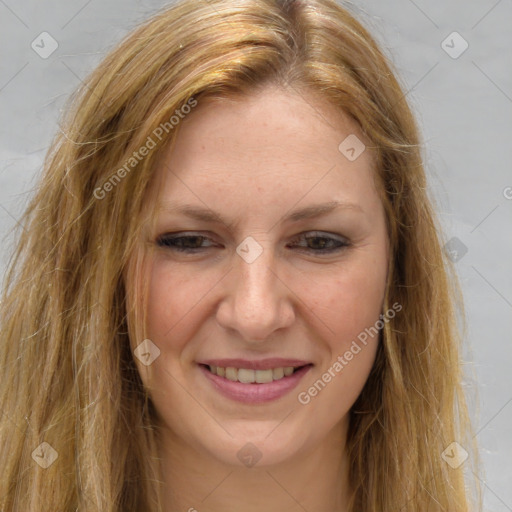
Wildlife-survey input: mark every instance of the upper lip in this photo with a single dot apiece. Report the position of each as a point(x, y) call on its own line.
point(262, 364)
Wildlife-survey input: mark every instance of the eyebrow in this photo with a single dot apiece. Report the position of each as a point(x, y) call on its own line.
point(309, 212)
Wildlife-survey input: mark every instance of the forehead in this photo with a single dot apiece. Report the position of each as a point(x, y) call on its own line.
point(272, 147)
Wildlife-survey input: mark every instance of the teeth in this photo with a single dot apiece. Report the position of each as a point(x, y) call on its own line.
point(231, 374)
point(247, 376)
point(264, 376)
point(278, 373)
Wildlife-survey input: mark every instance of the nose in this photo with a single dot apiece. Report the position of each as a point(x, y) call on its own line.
point(257, 302)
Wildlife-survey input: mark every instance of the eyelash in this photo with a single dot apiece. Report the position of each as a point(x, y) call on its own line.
point(166, 241)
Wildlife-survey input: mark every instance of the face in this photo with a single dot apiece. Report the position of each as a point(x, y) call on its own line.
point(268, 256)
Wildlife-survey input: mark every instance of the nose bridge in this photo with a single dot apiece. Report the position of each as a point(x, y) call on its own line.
point(256, 303)
point(255, 280)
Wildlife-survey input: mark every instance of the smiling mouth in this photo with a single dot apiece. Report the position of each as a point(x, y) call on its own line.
point(249, 376)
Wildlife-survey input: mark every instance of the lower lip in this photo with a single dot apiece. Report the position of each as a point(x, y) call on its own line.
point(255, 393)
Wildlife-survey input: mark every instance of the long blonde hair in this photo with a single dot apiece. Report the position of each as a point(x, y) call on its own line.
point(68, 372)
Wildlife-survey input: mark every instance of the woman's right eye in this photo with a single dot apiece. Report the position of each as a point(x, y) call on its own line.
point(183, 243)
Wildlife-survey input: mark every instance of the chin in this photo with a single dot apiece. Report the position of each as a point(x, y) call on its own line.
point(258, 445)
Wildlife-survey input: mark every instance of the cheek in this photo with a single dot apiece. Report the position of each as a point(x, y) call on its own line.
point(348, 301)
point(174, 299)
point(167, 301)
point(350, 305)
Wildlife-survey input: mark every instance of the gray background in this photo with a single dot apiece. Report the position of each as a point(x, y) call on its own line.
point(464, 106)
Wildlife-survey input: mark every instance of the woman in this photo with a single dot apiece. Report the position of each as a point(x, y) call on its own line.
point(229, 293)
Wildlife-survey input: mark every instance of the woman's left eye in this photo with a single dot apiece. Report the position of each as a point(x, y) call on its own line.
point(319, 243)
point(323, 243)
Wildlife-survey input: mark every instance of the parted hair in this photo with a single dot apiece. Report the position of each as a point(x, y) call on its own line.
point(68, 372)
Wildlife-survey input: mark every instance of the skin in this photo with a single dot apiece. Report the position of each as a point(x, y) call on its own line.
point(253, 160)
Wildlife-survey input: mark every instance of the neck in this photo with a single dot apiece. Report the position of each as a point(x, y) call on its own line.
point(316, 480)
